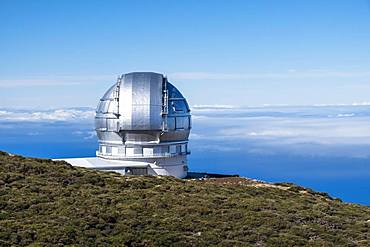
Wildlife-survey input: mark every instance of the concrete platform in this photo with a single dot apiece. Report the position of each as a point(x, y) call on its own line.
point(128, 167)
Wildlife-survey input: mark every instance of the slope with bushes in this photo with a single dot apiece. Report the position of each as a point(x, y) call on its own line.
point(49, 203)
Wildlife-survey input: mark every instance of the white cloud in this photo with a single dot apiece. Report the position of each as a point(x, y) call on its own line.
point(34, 133)
point(285, 130)
point(346, 115)
point(90, 135)
point(300, 130)
point(258, 130)
point(210, 107)
point(51, 115)
point(219, 148)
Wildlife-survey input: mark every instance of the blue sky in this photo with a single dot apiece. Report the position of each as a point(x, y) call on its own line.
point(67, 53)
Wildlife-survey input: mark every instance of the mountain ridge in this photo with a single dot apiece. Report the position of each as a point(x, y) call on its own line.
point(45, 202)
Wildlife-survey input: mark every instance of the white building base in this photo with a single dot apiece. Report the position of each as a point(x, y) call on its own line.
point(167, 167)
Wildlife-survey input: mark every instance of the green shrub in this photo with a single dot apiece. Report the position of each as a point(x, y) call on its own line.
point(50, 203)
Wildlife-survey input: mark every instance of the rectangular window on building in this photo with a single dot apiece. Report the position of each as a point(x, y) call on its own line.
point(121, 150)
point(165, 149)
point(179, 106)
point(129, 151)
point(173, 149)
point(148, 151)
point(158, 150)
point(109, 150)
point(112, 125)
point(101, 123)
point(171, 123)
point(138, 150)
point(180, 123)
point(114, 150)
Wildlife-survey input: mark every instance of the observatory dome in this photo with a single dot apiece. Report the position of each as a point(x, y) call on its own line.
point(145, 121)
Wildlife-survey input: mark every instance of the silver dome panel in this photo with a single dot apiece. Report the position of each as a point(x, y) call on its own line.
point(140, 101)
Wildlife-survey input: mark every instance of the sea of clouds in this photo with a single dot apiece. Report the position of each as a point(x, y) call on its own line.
point(334, 130)
point(307, 130)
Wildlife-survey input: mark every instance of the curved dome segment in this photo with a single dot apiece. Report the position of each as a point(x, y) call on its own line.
point(109, 94)
point(177, 102)
point(106, 112)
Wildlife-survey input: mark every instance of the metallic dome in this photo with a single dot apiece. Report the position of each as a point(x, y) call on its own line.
point(144, 118)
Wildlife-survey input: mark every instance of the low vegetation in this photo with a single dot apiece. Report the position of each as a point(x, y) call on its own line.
point(50, 203)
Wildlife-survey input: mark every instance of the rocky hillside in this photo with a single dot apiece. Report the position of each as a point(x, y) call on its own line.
point(43, 202)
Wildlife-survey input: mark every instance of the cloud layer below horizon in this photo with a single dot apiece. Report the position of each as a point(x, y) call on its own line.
point(297, 130)
point(340, 131)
